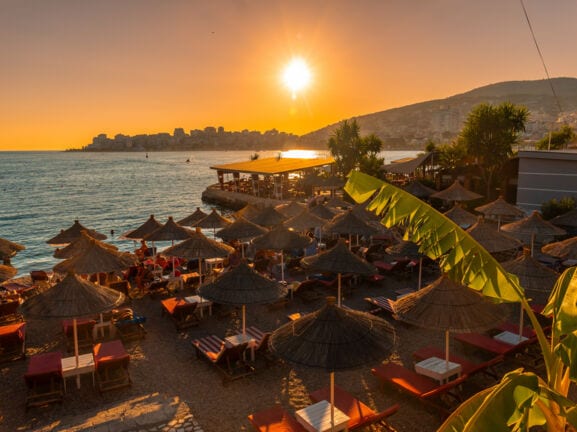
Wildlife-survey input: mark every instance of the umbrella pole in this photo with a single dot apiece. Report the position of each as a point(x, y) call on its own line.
point(532, 243)
point(350, 240)
point(75, 334)
point(242, 249)
point(446, 349)
point(333, 400)
point(199, 271)
point(339, 289)
point(243, 320)
point(281, 265)
point(498, 222)
point(420, 272)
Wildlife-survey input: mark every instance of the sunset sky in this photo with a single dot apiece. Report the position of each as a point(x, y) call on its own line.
point(72, 69)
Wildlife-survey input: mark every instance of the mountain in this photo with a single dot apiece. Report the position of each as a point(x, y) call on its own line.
point(412, 126)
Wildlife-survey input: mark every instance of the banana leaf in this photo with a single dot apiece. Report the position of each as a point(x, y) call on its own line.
point(562, 305)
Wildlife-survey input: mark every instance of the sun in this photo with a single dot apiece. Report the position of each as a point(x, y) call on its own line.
point(296, 76)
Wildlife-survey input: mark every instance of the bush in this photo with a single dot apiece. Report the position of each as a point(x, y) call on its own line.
point(554, 207)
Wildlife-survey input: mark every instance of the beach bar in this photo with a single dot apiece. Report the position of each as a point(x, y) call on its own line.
point(276, 178)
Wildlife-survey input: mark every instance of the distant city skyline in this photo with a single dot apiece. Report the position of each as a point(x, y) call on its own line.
point(73, 69)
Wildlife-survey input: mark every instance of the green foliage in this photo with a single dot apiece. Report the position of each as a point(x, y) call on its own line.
point(554, 207)
point(558, 139)
point(351, 151)
point(489, 134)
point(521, 400)
point(452, 156)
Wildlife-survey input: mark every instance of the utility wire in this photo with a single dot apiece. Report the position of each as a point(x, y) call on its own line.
point(541, 57)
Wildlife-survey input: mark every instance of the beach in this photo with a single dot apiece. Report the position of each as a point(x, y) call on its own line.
point(164, 367)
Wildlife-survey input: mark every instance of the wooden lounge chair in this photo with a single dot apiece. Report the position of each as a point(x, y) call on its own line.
point(423, 388)
point(228, 359)
point(128, 326)
point(396, 268)
point(468, 367)
point(181, 312)
point(381, 304)
point(360, 414)
point(12, 342)
point(111, 366)
point(9, 312)
point(44, 381)
point(261, 350)
point(85, 333)
point(275, 419)
point(486, 343)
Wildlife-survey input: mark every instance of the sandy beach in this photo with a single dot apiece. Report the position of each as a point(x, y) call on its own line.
point(164, 365)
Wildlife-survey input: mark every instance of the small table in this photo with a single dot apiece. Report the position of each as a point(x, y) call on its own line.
point(317, 417)
point(510, 338)
point(70, 369)
point(240, 338)
point(202, 304)
point(438, 369)
point(214, 263)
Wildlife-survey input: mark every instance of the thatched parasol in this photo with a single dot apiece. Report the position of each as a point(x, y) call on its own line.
point(73, 233)
point(73, 297)
point(8, 249)
point(199, 246)
point(533, 229)
point(360, 211)
point(349, 223)
point(488, 236)
point(322, 211)
point(500, 208)
point(241, 229)
point(339, 259)
point(193, 219)
point(304, 221)
point(419, 190)
point(170, 231)
point(449, 306)
point(461, 216)
point(336, 202)
point(242, 285)
point(139, 233)
point(96, 259)
point(565, 249)
point(291, 209)
point(268, 217)
point(408, 250)
point(568, 219)
point(332, 339)
point(537, 279)
point(456, 192)
point(214, 221)
point(281, 238)
point(7, 272)
point(79, 246)
point(249, 212)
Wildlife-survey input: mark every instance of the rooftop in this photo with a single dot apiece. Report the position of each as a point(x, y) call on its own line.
point(271, 166)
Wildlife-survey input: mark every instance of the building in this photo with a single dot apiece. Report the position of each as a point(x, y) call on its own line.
point(545, 175)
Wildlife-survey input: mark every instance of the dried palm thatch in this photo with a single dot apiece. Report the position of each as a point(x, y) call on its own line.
point(97, 259)
point(214, 221)
point(170, 231)
point(241, 229)
point(565, 249)
point(304, 221)
point(456, 192)
point(405, 249)
point(197, 245)
point(268, 217)
point(490, 238)
point(333, 339)
point(461, 217)
point(8, 248)
point(279, 238)
point(80, 246)
point(500, 207)
point(291, 209)
point(349, 223)
point(249, 212)
point(73, 233)
point(533, 228)
point(336, 202)
point(323, 212)
point(419, 190)
point(139, 233)
point(193, 219)
point(7, 272)
point(339, 259)
point(568, 219)
point(72, 297)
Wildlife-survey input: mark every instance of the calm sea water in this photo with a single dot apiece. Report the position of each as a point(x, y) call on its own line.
point(44, 192)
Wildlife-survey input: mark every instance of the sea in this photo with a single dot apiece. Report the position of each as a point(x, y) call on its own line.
point(42, 193)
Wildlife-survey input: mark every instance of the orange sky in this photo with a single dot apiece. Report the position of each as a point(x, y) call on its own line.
point(72, 69)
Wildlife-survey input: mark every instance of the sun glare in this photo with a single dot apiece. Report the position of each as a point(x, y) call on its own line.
point(296, 76)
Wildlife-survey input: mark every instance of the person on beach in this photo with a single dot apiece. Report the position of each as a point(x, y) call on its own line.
point(142, 251)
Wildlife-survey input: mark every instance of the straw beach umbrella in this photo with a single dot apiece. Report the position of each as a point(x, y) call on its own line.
point(268, 217)
point(339, 259)
point(338, 203)
point(456, 192)
point(291, 209)
point(146, 228)
point(333, 339)
point(243, 286)
point(8, 249)
point(79, 246)
point(419, 190)
point(349, 223)
point(449, 306)
point(193, 219)
point(531, 229)
point(198, 246)
point(249, 212)
point(214, 221)
point(242, 230)
point(304, 221)
point(96, 259)
point(73, 297)
point(565, 249)
point(280, 238)
point(322, 211)
point(170, 231)
point(500, 208)
point(7, 272)
point(461, 217)
point(566, 220)
point(73, 233)
point(496, 242)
